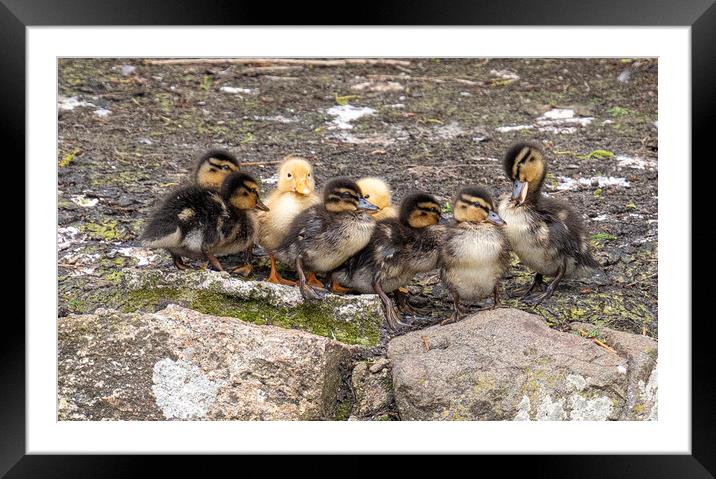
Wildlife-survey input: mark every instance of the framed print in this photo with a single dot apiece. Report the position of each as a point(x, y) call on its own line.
point(258, 239)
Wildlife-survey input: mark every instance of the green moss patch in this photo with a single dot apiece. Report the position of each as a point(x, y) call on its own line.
point(107, 230)
point(316, 318)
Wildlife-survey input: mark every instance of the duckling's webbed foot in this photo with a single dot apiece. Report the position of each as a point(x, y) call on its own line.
point(537, 284)
point(392, 317)
point(401, 300)
point(552, 286)
point(336, 288)
point(275, 277)
point(308, 292)
point(244, 270)
point(247, 268)
point(454, 318)
point(213, 261)
point(179, 262)
point(457, 314)
point(314, 281)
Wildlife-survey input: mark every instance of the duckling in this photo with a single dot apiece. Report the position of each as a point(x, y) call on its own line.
point(398, 250)
point(547, 234)
point(476, 253)
point(212, 167)
point(199, 223)
point(378, 192)
point(324, 236)
point(293, 194)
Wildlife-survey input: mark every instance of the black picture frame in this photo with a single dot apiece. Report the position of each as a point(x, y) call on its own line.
point(700, 15)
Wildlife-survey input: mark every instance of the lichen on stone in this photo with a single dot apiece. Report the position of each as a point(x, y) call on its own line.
point(595, 409)
point(182, 390)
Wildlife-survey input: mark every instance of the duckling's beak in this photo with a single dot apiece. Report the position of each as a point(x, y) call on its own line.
point(364, 204)
point(261, 206)
point(495, 219)
point(303, 188)
point(519, 193)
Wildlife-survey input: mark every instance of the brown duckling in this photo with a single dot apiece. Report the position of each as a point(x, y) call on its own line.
point(547, 234)
point(212, 167)
point(324, 236)
point(294, 193)
point(398, 250)
point(199, 223)
point(378, 192)
point(476, 253)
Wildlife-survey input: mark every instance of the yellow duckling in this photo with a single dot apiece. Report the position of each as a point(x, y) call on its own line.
point(378, 193)
point(294, 193)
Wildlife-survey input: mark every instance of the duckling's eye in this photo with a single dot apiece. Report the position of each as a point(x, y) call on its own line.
point(309, 175)
point(225, 167)
point(289, 175)
point(366, 196)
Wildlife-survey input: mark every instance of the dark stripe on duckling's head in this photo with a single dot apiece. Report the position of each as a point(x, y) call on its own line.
point(474, 204)
point(419, 210)
point(213, 166)
point(343, 194)
point(242, 191)
point(472, 192)
point(524, 161)
point(525, 165)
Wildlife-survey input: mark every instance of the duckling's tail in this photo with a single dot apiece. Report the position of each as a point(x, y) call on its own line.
point(160, 234)
point(590, 269)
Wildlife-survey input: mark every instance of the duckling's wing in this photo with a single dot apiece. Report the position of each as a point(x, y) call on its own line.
point(305, 226)
point(359, 261)
point(313, 227)
point(388, 241)
point(566, 231)
point(173, 217)
point(561, 236)
point(449, 254)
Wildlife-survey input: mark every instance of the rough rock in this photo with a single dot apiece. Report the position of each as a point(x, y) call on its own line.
point(507, 364)
point(641, 355)
point(352, 319)
point(182, 364)
point(372, 386)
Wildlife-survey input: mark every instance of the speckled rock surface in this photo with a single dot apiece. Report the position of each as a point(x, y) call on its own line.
point(372, 387)
point(180, 364)
point(508, 365)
